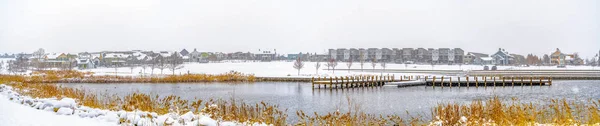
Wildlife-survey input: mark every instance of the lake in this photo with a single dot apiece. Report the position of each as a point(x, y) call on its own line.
point(295, 96)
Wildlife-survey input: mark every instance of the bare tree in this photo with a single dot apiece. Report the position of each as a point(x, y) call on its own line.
point(175, 62)
point(144, 66)
point(1, 66)
point(383, 65)
point(153, 64)
point(598, 62)
point(362, 60)
point(298, 65)
point(332, 63)
point(161, 63)
point(349, 64)
point(116, 66)
point(17, 65)
point(38, 59)
point(317, 66)
point(373, 64)
point(66, 66)
point(12, 67)
point(132, 64)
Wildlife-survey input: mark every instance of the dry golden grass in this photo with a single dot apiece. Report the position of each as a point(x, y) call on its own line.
point(88, 77)
point(218, 109)
point(494, 111)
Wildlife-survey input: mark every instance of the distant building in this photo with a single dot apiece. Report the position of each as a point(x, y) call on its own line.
point(559, 58)
point(265, 55)
point(115, 59)
point(477, 59)
point(184, 52)
point(502, 57)
point(435, 56)
point(407, 54)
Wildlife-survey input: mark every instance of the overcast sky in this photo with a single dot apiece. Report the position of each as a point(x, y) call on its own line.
point(291, 26)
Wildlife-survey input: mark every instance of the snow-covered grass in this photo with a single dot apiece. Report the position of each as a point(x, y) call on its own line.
point(285, 68)
point(282, 69)
point(18, 109)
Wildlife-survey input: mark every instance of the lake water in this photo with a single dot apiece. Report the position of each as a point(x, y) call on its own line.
point(295, 96)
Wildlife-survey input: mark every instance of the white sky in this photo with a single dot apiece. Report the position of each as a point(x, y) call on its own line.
point(291, 26)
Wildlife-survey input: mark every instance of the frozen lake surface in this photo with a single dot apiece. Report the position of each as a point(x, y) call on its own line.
point(295, 96)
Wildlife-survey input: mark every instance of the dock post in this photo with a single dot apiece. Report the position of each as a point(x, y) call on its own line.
point(503, 82)
point(442, 82)
point(336, 82)
point(433, 82)
point(485, 81)
point(450, 82)
point(458, 82)
point(476, 81)
point(402, 78)
point(330, 82)
point(550, 81)
point(373, 80)
point(513, 80)
point(347, 82)
point(393, 77)
point(468, 81)
point(313, 82)
point(342, 84)
point(541, 81)
point(494, 81)
point(353, 81)
point(530, 81)
point(367, 79)
point(521, 81)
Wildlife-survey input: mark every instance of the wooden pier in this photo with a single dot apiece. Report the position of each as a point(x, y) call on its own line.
point(351, 81)
point(484, 81)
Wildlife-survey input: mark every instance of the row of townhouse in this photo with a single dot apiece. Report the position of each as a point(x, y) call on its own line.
point(404, 55)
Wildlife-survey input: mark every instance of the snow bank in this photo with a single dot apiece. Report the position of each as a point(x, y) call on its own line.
point(284, 69)
point(69, 107)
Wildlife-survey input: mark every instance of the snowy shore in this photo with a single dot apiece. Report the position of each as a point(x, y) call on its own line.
point(20, 110)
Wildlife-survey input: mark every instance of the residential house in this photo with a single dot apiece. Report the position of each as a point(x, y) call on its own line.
point(59, 60)
point(387, 55)
point(184, 52)
point(407, 54)
point(557, 57)
point(423, 55)
point(476, 58)
point(502, 57)
point(435, 56)
point(333, 54)
point(86, 61)
point(265, 55)
point(115, 59)
point(458, 55)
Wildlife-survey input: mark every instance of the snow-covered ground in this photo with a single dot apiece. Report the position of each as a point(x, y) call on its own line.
point(19, 110)
point(283, 68)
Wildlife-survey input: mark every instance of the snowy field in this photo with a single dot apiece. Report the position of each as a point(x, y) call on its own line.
point(284, 69)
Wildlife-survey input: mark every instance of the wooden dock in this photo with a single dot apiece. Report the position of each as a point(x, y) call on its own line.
point(407, 83)
point(484, 81)
point(351, 81)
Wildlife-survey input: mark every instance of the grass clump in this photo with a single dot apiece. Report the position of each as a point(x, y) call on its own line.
point(495, 111)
